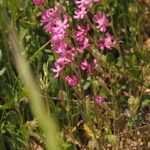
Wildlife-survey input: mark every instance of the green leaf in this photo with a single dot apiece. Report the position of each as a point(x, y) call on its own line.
point(86, 85)
point(2, 71)
point(14, 4)
point(26, 24)
point(146, 103)
point(134, 60)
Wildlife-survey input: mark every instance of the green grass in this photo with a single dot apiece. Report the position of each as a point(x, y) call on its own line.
point(38, 110)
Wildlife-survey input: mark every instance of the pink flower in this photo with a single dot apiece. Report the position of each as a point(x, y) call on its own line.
point(59, 29)
point(95, 64)
point(48, 14)
point(80, 36)
point(55, 26)
point(99, 100)
point(80, 49)
point(59, 25)
point(38, 2)
point(48, 17)
point(96, 0)
point(84, 45)
point(56, 38)
point(60, 64)
point(88, 67)
point(82, 3)
point(106, 42)
point(81, 33)
point(72, 81)
point(63, 61)
point(48, 27)
point(57, 70)
point(101, 22)
point(80, 13)
point(60, 48)
point(71, 54)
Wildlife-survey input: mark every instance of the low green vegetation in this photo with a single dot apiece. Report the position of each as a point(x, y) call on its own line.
point(39, 111)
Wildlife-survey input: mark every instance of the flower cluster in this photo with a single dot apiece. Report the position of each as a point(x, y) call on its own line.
point(102, 23)
point(81, 37)
point(56, 23)
point(70, 45)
